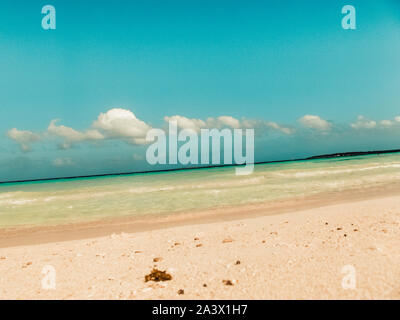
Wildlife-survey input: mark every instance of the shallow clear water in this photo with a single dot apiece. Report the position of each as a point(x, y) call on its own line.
point(74, 200)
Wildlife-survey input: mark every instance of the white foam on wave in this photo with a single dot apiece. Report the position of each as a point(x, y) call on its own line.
point(312, 172)
point(7, 195)
point(18, 202)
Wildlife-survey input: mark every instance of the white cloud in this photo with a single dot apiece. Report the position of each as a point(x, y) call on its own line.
point(397, 119)
point(315, 122)
point(122, 123)
point(70, 135)
point(386, 123)
point(186, 123)
point(223, 122)
point(114, 124)
point(23, 138)
point(229, 122)
point(363, 123)
point(210, 123)
point(226, 122)
point(275, 126)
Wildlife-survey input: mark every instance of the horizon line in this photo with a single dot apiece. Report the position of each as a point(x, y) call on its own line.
point(322, 156)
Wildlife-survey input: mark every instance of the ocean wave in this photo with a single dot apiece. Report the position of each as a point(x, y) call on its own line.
point(329, 171)
point(17, 202)
point(7, 195)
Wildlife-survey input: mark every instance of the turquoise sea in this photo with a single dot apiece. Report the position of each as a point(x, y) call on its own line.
point(74, 200)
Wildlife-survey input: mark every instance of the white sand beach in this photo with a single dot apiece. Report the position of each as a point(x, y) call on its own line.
point(304, 254)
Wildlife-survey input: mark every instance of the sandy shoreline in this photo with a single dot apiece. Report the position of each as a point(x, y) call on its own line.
point(298, 255)
point(26, 235)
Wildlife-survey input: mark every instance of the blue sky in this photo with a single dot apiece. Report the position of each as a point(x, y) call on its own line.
point(271, 61)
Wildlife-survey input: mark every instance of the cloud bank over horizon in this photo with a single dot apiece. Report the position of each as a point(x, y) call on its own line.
point(122, 124)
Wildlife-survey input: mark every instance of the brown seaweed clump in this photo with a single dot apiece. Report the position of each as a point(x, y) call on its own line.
point(227, 282)
point(157, 276)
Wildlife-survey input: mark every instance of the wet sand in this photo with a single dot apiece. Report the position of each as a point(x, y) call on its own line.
point(29, 235)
